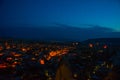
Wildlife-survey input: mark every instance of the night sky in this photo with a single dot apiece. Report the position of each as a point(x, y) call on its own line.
point(75, 13)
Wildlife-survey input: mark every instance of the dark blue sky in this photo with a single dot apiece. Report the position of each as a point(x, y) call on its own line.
point(77, 19)
point(104, 13)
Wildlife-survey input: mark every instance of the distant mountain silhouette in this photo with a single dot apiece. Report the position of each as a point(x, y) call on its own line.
point(113, 42)
point(105, 40)
point(58, 32)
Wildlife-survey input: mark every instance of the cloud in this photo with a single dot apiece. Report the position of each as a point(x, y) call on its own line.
point(59, 32)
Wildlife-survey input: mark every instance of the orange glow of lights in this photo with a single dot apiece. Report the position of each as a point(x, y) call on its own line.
point(24, 50)
point(13, 66)
point(48, 58)
point(17, 55)
point(91, 45)
point(28, 48)
point(105, 46)
point(1, 48)
point(9, 59)
point(65, 51)
point(52, 53)
point(8, 47)
point(42, 61)
point(33, 59)
point(15, 63)
point(1, 54)
point(36, 54)
point(2, 66)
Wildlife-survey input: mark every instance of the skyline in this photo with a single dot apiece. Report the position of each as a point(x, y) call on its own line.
point(58, 33)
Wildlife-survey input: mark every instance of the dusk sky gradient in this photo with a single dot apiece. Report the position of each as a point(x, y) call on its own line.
point(104, 13)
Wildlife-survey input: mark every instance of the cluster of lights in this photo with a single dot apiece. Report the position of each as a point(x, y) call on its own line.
point(92, 45)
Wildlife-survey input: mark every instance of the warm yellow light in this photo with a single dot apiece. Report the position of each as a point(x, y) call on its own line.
point(17, 55)
point(105, 46)
point(90, 45)
point(33, 59)
point(75, 75)
point(42, 61)
point(24, 50)
point(2, 66)
point(1, 48)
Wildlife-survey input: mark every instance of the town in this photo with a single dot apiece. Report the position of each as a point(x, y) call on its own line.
point(39, 60)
